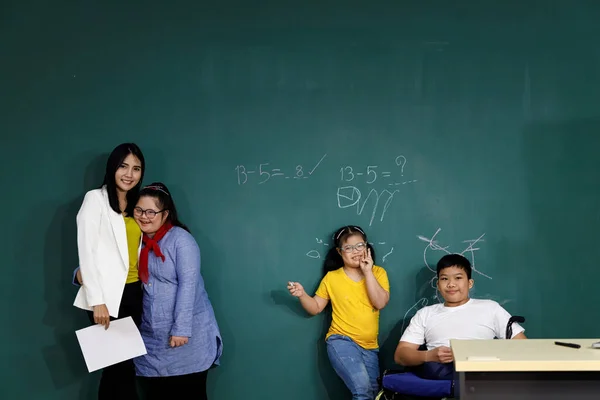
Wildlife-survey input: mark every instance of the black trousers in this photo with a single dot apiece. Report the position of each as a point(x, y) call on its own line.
point(118, 381)
point(177, 387)
point(435, 370)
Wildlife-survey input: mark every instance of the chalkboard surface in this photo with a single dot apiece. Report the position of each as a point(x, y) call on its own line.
point(467, 127)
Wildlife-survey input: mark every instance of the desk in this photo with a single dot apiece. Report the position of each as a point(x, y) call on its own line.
point(527, 369)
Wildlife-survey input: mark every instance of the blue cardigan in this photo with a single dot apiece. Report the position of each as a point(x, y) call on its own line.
point(177, 304)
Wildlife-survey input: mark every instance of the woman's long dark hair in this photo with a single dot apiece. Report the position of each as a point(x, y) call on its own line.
point(160, 192)
point(115, 159)
point(333, 259)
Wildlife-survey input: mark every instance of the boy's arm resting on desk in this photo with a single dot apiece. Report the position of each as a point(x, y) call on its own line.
point(407, 352)
point(520, 335)
point(409, 355)
point(502, 317)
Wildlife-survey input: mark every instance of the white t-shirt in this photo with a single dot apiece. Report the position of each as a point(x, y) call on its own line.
point(476, 319)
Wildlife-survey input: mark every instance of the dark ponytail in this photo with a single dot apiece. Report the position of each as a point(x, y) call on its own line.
point(333, 259)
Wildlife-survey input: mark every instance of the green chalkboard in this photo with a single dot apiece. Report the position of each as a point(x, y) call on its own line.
point(469, 127)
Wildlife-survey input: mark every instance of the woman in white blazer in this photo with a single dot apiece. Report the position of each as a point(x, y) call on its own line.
point(108, 243)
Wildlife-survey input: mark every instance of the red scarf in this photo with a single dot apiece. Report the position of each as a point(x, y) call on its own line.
point(151, 243)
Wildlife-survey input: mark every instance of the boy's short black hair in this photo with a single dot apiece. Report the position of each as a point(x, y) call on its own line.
point(454, 260)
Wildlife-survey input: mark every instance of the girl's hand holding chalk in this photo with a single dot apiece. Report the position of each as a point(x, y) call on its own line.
point(295, 289)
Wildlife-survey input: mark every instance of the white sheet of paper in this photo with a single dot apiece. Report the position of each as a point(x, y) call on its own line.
point(103, 347)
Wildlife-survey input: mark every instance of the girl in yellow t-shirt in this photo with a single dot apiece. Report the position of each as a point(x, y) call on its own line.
point(357, 290)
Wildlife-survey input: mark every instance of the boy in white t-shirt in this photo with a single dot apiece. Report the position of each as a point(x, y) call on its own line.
point(460, 317)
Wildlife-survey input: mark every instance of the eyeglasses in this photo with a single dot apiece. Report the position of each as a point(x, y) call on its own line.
point(350, 248)
point(150, 214)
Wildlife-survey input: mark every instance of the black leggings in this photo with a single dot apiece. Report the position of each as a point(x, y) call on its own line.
point(118, 381)
point(177, 387)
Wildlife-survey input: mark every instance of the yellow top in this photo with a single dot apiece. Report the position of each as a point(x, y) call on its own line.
point(134, 235)
point(497, 355)
point(353, 314)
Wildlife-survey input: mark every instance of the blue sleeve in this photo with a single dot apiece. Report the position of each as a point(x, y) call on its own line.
point(75, 283)
point(188, 273)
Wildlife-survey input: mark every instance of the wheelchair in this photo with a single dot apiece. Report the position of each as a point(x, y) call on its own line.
point(405, 384)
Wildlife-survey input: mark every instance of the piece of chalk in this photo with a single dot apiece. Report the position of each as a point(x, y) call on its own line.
point(482, 358)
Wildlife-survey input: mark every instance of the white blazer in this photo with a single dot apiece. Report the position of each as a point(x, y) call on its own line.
point(103, 255)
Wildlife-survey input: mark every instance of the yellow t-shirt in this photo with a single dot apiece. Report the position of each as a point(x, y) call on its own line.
point(353, 314)
point(134, 235)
